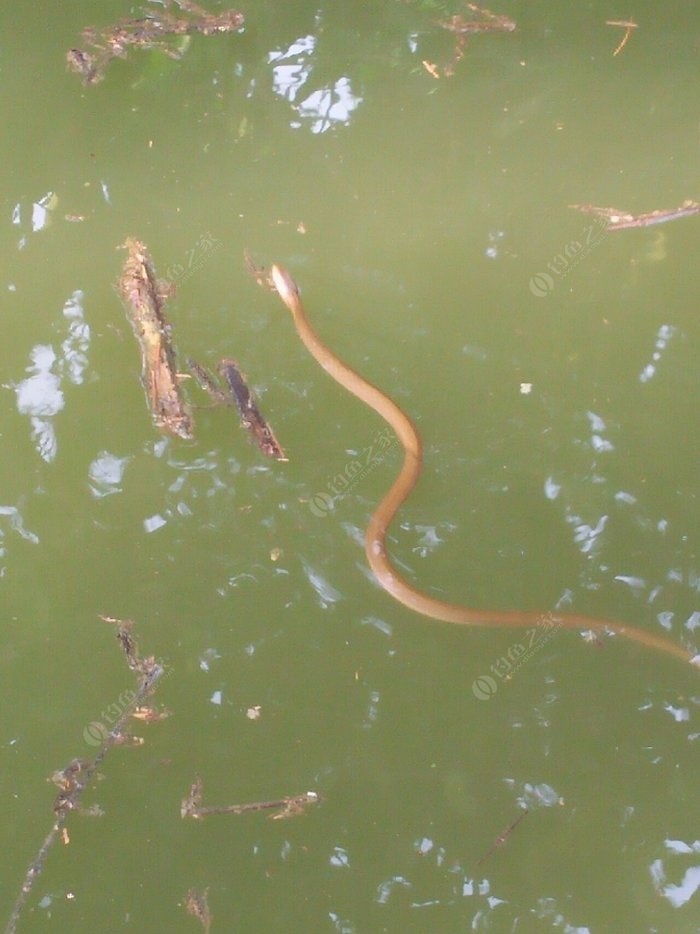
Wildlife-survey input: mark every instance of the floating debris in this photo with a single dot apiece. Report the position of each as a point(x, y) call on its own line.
point(259, 273)
point(73, 780)
point(477, 19)
point(251, 418)
point(628, 26)
point(620, 220)
point(144, 298)
point(197, 905)
point(286, 807)
point(155, 30)
point(502, 837)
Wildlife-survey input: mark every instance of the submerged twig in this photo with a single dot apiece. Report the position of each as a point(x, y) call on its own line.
point(144, 298)
point(620, 220)
point(478, 19)
point(77, 775)
point(286, 807)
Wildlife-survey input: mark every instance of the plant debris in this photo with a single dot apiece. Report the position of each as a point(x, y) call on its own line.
point(144, 298)
point(503, 837)
point(477, 19)
point(628, 26)
point(251, 417)
point(620, 220)
point(154, 30)
point(197, 905)
point(286, 807)
point(73, 780)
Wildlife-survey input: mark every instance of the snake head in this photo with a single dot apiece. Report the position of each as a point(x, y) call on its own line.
point(286, 286)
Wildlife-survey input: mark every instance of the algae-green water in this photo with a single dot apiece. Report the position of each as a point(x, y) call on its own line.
point(551, 368)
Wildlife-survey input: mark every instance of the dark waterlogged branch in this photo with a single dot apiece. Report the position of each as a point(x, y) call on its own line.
point(193, 808)
point(74, 779)
point(155, 30)
point(251, 417)
point(240, 394)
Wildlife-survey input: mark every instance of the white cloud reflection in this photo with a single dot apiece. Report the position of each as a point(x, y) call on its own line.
point(40, 396)
point(322, 108)
point(105, 474)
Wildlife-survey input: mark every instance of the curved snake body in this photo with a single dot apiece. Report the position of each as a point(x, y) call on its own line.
point(382, 517)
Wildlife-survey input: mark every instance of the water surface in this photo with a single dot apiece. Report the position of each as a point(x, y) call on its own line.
point(418, 216)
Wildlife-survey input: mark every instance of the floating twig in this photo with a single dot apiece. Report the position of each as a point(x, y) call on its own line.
point(152, 31)
point(74, 779)
point(144, 297)
point(286, 807)
point(620, 220)
point(628, 26)
point(502, 837)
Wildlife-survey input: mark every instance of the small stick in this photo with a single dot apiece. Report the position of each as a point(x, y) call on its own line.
point(295, 804)
point(502, 837)
point(628, 26)
point(620, 220)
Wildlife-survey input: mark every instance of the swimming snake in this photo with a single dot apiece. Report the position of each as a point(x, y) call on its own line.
point(382, 517)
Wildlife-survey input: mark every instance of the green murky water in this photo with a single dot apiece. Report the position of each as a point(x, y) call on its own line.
point(426, 221)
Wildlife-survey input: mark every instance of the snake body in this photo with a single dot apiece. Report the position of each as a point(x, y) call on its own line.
point(382, 517)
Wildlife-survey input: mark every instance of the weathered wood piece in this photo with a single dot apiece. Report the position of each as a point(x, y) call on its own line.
point(144, 299)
